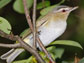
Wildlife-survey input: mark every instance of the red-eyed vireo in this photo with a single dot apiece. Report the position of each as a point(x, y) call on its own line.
point(50, 27)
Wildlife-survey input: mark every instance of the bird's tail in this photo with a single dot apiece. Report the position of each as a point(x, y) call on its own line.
point(11, 55)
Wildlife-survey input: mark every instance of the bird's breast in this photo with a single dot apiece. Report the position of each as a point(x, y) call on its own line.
point(53, 31)
point(48, 34)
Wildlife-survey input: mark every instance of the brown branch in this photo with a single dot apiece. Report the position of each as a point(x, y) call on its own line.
point(28, 18)
point(31, 50)
point(8, 36)
point(44, 50)
point(31, 27)
point(27, 15)
point(20, 44)
point(34, 23)
point(10, 45)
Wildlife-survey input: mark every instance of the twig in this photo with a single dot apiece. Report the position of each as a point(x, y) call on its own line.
point(27, 15)
point(10, 45)
point(34, 23)
point(11, 37)
point(31, 50)
point(31, 27)
point(45, 51)
point(20, 44)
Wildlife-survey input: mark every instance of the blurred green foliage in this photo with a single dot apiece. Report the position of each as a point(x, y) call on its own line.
point(4, 3)
point(18, 5)
point(82, 60)
point(43, 4)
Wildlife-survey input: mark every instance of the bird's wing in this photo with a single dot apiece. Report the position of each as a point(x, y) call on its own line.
point(25, 33)
point(42, 20)
point(39, 23)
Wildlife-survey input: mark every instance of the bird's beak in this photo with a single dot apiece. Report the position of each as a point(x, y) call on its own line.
point(73, 8)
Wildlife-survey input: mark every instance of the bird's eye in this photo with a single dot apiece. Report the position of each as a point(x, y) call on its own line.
point(63, 10)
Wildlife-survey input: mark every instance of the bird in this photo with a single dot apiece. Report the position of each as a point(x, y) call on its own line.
point(49, 27)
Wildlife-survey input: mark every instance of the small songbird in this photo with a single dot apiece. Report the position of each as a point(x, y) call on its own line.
point(50, 27)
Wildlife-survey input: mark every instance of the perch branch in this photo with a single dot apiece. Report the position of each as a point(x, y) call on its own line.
point(34, 23)
point(20, 44)
point(11, 37)
point(31, 27)
point(31, 50)
point(28, 17)
point(10, 45)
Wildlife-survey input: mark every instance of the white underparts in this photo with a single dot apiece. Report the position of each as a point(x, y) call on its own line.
point(49, 34)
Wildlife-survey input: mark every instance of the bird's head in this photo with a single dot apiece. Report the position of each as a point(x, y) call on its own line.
point(62, 12)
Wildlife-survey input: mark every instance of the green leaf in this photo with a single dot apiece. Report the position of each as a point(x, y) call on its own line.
point(24, 61)
point(57, 52)
point(4, 3)
point(41, 4)
point(67, 42)
point(5, 26)
point(46, 10)
point(18, 5)
point(21, 61)
point(82, 60)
